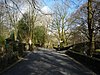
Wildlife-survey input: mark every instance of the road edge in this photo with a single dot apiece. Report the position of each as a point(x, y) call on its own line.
point(78, 63)
point(20, 59)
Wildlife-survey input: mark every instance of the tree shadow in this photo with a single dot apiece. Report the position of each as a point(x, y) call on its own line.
point(47, 64)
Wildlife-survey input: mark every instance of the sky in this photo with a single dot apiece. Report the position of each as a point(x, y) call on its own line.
point(74, 4)
point(48, 5)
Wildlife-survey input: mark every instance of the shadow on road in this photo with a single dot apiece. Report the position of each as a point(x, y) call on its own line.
point(47, 63)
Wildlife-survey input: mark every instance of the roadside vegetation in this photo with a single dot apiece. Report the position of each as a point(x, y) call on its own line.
point(24, 30)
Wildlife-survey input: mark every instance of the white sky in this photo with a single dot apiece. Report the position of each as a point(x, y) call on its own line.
point(46, 10)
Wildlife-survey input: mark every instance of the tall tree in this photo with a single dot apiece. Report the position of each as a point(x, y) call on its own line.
point(81, 19)
point(60, 24)
point(90, 28)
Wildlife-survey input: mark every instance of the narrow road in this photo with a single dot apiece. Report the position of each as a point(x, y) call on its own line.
point(47, 63)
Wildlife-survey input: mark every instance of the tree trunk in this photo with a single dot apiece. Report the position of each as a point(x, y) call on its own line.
point(90, 29)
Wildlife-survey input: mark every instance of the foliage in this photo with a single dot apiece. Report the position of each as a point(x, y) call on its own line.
point(2, 40)
point(23, 30)
point(40, 35)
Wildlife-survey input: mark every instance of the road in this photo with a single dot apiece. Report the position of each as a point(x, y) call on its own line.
point(47, 63)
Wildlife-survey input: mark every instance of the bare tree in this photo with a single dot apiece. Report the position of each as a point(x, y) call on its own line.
point(60, 22)
point(90, 26)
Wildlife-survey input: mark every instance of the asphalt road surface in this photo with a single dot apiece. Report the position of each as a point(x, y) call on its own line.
point(47, 63)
